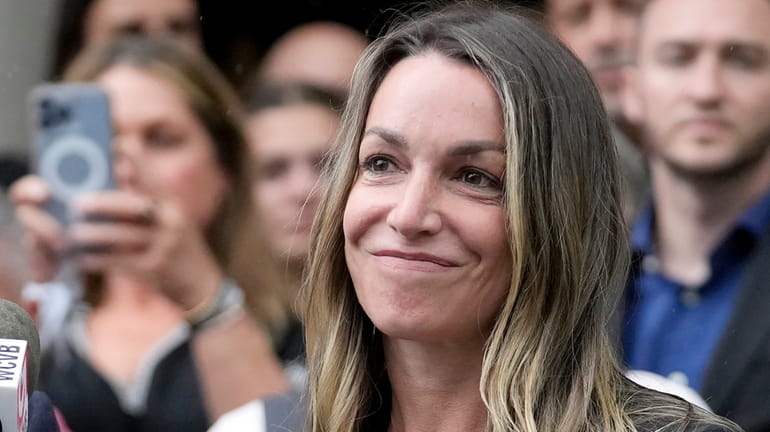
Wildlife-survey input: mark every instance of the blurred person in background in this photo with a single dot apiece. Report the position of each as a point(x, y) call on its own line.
point(602, 34)
point(290, 128)
point(82, 24)
point(179, 293)
point(320, 53)
point(699, 299)
point(86, 22)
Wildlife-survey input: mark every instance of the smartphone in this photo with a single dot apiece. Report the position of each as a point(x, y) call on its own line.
point(71, 136)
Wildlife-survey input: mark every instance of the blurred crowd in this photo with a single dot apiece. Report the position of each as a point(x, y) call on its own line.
point(170, 302)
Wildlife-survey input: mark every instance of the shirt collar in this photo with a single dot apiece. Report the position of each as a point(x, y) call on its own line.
point(756, 220)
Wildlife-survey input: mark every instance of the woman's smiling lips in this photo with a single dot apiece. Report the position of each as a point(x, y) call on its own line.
point(413, 260)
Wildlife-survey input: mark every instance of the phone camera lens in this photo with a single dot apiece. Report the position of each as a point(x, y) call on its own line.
point(63, 115)
point(52, 115)
point(46, 121)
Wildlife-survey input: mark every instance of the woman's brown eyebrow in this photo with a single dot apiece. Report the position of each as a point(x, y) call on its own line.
point(465, 148)
point(461, 148)
point(389, 136)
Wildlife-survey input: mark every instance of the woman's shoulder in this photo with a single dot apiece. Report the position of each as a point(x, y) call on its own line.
point(651, 410)
point(663, 426)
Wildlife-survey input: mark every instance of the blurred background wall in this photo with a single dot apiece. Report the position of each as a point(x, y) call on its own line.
point(25, 37)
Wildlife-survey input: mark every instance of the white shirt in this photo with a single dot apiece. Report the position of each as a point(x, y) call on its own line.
point(249, 417)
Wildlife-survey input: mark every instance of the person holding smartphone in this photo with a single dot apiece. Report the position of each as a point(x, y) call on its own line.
point(175, 327)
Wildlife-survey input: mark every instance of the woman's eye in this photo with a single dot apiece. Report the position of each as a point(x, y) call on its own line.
point(273, 169)
point(479, 179)
point(162, 139)
point(379, 164)
point(131, 28)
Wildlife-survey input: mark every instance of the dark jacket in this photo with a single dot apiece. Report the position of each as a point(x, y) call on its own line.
point(736, 383)
point(41, 415)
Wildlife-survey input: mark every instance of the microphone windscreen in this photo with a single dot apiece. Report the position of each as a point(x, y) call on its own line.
point(15, 323)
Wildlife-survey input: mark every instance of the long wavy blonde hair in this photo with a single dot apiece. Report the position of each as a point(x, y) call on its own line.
point(548, 363)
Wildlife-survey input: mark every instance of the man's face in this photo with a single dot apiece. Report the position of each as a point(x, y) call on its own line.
point(702, 86)
point(602, 34)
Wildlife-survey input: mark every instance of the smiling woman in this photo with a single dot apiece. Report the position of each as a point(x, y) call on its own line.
point(471, 243)
point(438, 225)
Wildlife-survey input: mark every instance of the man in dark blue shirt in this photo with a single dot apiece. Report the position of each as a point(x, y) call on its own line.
point(698, 305)
point(675, 327)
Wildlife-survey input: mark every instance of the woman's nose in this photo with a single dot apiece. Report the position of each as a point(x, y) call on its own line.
point(416, 211)
point(125, 160)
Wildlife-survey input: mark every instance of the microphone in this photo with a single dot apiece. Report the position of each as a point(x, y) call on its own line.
point(19, 365)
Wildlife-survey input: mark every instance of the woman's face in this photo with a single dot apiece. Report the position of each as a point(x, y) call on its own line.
point(161, 147)
point(288, 144)
point(425, 237)
point(108, 19)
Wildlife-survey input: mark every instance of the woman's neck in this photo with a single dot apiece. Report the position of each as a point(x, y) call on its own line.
point(435, 387)
point(128, 292)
